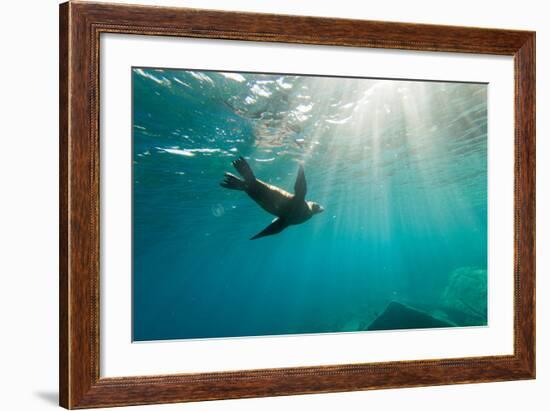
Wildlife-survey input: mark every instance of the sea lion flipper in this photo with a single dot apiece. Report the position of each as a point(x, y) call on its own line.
point(244, 169)
point(233, 182)
point(275, 227)
point(300, 186)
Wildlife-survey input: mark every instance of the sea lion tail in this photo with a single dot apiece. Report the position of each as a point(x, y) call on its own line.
point(244, 169)
point(233, 182)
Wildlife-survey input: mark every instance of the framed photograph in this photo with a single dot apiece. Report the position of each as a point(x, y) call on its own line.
point(258, 205)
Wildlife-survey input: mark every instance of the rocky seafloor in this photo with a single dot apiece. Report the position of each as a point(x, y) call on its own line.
point(462, 303)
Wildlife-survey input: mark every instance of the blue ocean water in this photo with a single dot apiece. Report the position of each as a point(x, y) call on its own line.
point(399, 166)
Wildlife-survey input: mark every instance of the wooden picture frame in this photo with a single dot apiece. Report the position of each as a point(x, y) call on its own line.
point(80, 27)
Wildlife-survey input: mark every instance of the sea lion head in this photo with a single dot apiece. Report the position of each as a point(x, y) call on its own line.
point(315, 208)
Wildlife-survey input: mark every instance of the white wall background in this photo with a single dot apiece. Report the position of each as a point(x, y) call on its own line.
point(29, 190)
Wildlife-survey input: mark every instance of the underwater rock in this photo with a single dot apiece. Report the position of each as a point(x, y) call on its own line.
point(464, 300)
point(398, 316)
point(355, 324)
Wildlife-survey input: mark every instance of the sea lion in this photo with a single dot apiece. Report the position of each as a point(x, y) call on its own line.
point(290, 209)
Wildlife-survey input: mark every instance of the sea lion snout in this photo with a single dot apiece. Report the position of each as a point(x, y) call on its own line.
point(316, 208)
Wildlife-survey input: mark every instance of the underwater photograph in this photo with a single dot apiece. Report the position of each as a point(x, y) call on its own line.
point(268, 204)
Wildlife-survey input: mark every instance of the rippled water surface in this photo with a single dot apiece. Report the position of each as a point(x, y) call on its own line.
point(399, 166)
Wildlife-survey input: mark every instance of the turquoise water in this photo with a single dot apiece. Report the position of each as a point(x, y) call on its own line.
point(399, 166)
